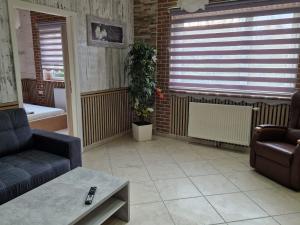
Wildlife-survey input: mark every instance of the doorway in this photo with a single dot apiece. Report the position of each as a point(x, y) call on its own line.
point(45, 66)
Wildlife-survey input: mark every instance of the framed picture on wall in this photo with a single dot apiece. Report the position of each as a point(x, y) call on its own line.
point(105, 33)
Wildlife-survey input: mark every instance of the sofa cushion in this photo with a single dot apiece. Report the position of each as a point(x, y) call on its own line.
point(21, 127)
point(278, 152)
point(24, 171)
point(8, 138)
point(15, 134)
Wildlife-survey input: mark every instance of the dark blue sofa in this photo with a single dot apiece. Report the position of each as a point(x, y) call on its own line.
point(29, 158)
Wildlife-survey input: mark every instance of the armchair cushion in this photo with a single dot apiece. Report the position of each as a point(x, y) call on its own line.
point(278, 152)
point(58, 144)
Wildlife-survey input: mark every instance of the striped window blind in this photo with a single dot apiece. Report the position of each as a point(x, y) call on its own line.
point(239, 48)
point(50, 35)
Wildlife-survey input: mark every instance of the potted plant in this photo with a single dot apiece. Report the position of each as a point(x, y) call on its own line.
point(140, 67)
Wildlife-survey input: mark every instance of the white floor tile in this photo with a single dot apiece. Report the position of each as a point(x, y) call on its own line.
point(143, 192)
point(176, 189)
point(214, 184)
point(160, 171)
point(275, 201)
point(198, 168)
point(132, 173)
point(237, 206)
point(193, 211)
point(262, 221)
point(250, 180)
point(290, 219)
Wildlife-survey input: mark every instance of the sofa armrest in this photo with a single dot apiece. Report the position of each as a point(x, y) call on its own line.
point(58, 144)
point(267, 132)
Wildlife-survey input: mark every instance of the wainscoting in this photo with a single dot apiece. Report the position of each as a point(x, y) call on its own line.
point(30, 92)
point(267, 114)
point(104, 114)
point(9, 105)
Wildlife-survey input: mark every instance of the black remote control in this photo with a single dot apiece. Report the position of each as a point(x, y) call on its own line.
point(90, 196)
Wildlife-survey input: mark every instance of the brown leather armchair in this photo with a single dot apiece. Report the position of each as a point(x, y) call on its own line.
point(275, 150)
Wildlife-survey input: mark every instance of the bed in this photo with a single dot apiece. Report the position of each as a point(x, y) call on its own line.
point(46, 118)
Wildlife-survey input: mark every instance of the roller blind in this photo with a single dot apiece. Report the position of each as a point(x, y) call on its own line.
point(244, 48)
point(51, 46)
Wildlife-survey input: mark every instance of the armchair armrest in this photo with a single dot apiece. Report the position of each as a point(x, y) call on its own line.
point(263, 126)
point(58, 144)
point(295, 168)
point(267, 132)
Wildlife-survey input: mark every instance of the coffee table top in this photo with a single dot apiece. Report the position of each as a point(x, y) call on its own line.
point(60, 201)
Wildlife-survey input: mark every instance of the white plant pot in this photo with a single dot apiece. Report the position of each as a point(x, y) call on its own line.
point(142, 132)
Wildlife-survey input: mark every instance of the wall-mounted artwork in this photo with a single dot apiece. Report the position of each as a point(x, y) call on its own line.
point(105, 33)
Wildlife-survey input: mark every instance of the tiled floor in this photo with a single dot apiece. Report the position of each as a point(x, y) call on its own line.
point(177, 183)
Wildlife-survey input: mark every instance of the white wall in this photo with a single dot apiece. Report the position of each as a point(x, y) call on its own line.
point(100, 68)
point(25, 45)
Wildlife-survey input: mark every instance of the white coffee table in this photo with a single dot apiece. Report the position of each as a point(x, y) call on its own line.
point(61, 201)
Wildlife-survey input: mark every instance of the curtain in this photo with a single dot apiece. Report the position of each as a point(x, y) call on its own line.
point(244, 48)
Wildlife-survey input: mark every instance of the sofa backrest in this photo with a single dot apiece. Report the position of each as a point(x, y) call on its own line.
point(15, 133)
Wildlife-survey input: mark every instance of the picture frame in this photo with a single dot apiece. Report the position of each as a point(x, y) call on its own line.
point(105, 33)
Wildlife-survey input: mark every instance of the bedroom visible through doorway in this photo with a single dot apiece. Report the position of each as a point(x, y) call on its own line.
point(43, 61)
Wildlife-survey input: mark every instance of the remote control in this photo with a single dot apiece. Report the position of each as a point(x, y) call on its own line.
point(90, 196)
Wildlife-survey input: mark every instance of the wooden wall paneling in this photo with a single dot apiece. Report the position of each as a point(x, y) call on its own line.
point(105, 114)
point(94, 75)
point(9, 105)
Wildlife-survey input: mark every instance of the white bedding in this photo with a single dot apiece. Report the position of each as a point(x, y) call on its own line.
point(36, 112)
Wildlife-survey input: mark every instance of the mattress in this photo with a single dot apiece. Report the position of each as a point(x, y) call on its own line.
point(37, 112)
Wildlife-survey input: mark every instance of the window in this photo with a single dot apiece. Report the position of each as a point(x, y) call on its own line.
point(51, 46)
point(237, 49)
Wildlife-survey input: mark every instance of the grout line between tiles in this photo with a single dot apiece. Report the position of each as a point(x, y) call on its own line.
point(136, 149)
point(201, 193)
point(171, 217)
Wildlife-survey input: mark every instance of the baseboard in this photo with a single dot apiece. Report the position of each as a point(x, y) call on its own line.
point(215, 144)
point(105, 141)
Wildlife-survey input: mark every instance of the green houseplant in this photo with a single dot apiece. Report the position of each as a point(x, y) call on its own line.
point(140, 67)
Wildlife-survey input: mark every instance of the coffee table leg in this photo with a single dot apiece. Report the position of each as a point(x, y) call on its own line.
point(124, 212)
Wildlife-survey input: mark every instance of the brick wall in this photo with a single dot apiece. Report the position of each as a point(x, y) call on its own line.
point(152, 24)
point(145, 18)
point(41, 97)
point(163, 39)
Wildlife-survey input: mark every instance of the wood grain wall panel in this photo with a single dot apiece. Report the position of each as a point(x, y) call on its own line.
point(10, 105)
point(104, 115)
point(277, 114)
point(99, 68)
point(7, 81)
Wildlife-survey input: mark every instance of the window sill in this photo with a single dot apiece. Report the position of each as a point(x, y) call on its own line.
point(231, 95)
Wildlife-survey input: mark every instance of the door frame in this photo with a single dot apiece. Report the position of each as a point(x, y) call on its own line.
point(73, 81)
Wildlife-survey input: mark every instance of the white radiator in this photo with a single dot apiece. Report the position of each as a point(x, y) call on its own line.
point(222, 123)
